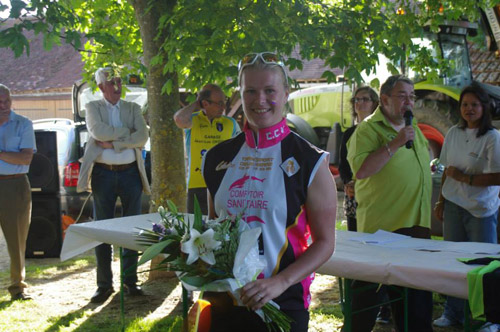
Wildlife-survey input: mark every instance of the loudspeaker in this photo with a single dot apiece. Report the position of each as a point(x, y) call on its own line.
point(45, 234)
point(43, 173)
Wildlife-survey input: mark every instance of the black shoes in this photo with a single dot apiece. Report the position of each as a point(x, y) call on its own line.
point(101, 295)
point(20, 296)
point(133, 290)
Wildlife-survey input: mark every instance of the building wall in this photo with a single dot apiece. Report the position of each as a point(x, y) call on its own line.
point(44, 106)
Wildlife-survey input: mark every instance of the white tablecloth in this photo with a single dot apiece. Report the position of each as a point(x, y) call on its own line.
point(118, 231)
point(416, 263)
point(423, 264)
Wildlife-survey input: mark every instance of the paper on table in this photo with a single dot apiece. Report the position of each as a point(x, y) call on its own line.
point(476, 248)
point(379, 237)
point(397, 241)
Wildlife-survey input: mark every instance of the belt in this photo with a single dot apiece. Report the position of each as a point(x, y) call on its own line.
point(11, 176)
point(116, 168)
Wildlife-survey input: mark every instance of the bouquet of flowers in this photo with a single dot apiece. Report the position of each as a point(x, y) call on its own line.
point(210, 255)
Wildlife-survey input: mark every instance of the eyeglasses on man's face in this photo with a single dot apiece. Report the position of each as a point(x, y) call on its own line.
point(403, 97)
point(361, 100)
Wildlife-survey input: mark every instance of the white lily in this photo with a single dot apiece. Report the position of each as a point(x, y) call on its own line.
point(200, 246)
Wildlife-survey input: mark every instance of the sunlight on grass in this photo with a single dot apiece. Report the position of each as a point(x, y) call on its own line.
point(341, 225)
point(160, 311)
point(47, 268)
point(15, 316)
point(69, 322)
point(325, 322)
point(168, 324)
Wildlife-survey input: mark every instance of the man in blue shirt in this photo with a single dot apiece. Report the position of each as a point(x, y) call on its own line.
point(17, 145)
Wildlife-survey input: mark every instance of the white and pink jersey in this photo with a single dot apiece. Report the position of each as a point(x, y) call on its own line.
point(267, 178)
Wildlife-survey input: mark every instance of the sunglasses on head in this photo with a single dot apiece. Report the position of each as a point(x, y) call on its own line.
point(267, 58)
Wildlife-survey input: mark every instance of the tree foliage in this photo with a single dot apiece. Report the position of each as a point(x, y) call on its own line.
point(187, 43)
point(207, 38)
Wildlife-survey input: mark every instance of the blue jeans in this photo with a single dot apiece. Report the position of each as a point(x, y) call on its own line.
point(461, 226)
point(107, 186)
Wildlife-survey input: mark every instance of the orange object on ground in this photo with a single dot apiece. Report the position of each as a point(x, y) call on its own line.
point(199, 316)
point(65, 222)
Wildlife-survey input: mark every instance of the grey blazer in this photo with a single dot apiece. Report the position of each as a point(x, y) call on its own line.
point(133, 134)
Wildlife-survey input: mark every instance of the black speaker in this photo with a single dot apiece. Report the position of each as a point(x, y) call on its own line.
point(43, 173)
point(45, 234)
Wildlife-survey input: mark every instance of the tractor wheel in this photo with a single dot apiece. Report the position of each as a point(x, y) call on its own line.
point(436, 118)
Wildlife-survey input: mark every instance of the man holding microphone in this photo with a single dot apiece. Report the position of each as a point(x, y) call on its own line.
point(393, 189)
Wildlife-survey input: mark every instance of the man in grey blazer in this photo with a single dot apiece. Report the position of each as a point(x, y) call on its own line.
point(114, 167)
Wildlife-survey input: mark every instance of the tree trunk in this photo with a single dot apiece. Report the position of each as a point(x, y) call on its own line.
point(167, 148)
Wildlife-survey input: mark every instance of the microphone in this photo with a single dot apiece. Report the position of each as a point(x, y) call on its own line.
point(408, 119)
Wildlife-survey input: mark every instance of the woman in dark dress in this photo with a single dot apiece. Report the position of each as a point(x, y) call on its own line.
point(364, 103)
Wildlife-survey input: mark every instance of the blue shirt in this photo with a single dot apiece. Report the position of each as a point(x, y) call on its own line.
point(16, 134)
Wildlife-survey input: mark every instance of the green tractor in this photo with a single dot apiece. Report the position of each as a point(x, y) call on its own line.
point(321, 114)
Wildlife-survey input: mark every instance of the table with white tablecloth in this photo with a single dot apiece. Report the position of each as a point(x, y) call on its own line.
point(403, 261)
point(416, 263)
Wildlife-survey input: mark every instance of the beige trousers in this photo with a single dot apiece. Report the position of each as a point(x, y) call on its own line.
point(15, 216)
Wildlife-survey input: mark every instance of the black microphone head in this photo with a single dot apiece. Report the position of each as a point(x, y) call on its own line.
point(408, 117)
point(408, 114)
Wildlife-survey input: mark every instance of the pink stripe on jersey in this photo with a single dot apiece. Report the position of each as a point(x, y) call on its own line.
point(297, 235)
point(267, 136)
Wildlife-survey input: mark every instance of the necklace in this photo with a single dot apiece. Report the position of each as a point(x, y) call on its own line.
point(470, 133)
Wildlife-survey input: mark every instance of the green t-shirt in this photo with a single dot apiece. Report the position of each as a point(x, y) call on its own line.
point(399, 195)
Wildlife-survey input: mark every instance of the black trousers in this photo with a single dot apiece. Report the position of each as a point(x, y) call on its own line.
point(419, 308)
point(419, 302)
point(352, 224)
point(226, 317)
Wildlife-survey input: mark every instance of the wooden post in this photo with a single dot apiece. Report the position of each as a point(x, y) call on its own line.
point(159, 274)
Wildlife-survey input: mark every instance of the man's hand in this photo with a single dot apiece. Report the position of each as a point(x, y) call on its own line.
point(404, 135)
point(182, 117)
point(105, 145)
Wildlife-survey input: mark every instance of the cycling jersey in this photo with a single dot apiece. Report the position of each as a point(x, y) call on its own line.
point(267, 179)
point(202, 136)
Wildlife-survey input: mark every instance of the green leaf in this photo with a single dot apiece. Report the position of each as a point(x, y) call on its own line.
point(49, 40)
point(198, 225)
point(392, 69)
point(172, 207)
point(16, 7)
point(168, 87)
point(195, 280)
point(153, 251)
point(375, 83)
